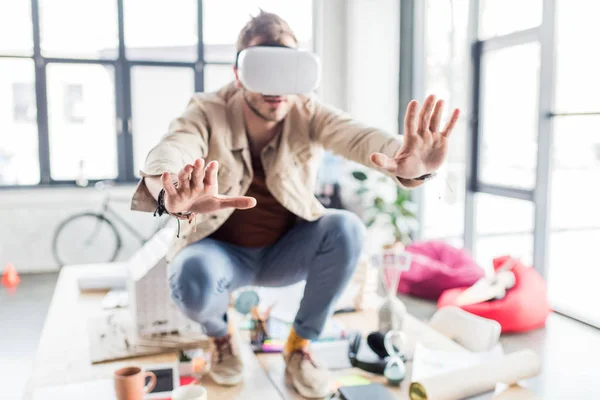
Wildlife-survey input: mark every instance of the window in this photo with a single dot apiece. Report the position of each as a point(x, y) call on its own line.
point(82, 129)
point(92, 34)
point(446, 70)
point(217, 76)
point(153, 114)
point(574, 192)
point(175, 40)
point(505, 72)
point(74, 103)
point(574, 217)
point(508, 16)
point(220, 38)
point(19, 153)
point(538, 161)
point(24, 109)
point(16, 33)
point(502, 226)
point(104, 110)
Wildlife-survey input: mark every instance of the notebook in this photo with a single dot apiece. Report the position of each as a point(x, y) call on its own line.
point(373, 391)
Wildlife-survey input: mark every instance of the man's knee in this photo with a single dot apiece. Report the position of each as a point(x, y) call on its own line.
point(191, 282)
point(348, 232)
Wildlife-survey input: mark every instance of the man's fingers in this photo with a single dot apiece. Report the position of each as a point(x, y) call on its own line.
point(384, 162)
point(451, 123)
point(241, 202)
point(210, 178)
point(410, 119)
point(436, 118)
point(425, 114)
point(168, 184)
point(198, 174)
point(184, 177)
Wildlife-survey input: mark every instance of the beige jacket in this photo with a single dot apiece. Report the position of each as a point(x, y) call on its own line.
point(212, 128)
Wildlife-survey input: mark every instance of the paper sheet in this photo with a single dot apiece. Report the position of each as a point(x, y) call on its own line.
point(286, 301)
point(116, 298)
point(428, 362)
point(470, 380)
point(332, 354)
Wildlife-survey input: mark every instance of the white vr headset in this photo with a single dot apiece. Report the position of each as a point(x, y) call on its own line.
point(274, 70)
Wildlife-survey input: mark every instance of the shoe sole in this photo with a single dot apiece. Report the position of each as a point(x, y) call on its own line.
point(304, 392)
point(226, 381)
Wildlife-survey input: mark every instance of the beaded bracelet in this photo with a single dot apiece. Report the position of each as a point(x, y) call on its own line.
point(162, 209)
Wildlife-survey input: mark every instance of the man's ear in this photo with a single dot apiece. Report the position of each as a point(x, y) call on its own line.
point(238, 83)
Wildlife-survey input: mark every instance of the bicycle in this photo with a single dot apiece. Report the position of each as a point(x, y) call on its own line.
point(92, 237)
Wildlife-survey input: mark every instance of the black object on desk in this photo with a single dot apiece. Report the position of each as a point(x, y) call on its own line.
point(372, 391)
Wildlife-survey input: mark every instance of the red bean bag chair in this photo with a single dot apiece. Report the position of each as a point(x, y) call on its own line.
point(437, 266)
point(525, 306)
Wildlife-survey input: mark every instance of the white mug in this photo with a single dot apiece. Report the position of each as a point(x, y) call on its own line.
point(189, 392)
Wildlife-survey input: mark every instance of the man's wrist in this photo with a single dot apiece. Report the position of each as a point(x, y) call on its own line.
point(409, 183)
point(426, 177)
point(414, 182)
point(162, 208)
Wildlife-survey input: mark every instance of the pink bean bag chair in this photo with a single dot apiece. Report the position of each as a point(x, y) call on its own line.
point(525, 306)
point(435, 267)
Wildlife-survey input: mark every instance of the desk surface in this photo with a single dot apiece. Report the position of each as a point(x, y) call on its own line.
point(63, 355)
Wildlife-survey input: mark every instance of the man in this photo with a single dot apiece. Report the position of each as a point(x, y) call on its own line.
point(255, 219)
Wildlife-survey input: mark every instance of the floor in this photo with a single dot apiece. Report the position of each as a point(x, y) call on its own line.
point(570, 350)
point(22, 315)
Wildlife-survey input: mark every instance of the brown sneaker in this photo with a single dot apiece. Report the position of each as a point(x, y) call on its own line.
point(310, 379)
point(226, 365)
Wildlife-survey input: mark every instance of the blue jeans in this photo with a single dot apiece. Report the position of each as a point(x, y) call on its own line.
point(324, 253)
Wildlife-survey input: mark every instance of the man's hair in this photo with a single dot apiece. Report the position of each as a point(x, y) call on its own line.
point(269, 27)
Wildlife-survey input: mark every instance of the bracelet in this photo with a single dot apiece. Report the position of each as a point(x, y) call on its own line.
point(162, 209)
point(425, 177)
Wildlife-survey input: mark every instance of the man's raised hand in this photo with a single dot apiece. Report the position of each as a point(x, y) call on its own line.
point(425, 143)
point(197, 191)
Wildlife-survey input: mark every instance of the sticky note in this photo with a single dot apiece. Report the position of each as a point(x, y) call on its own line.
point(352, 380)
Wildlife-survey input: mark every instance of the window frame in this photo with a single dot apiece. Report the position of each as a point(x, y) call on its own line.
point(123, 101)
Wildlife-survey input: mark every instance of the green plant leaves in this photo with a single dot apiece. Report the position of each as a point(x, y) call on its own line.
point(359, 175)
point(399, 214)
point(371, 221)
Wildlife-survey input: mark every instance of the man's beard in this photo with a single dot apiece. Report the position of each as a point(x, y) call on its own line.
point(255, 110)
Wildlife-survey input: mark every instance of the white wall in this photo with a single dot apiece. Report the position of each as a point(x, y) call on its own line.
point(29, 218)
point(330, 31)
point(373, 32)
point(359, 44)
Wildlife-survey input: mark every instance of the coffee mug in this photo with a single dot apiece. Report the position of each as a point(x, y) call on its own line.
point(189, 392)
point(129, 383)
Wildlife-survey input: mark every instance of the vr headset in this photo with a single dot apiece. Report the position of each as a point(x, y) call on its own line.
point(375, 341)
point(276, 70)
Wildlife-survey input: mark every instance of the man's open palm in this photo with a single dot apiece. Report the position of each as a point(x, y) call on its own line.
point(425, 146)
point(197, 191)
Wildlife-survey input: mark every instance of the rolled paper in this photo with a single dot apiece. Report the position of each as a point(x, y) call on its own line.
point(477, 379)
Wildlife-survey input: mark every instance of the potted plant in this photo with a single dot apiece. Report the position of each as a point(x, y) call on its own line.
point(398, 213)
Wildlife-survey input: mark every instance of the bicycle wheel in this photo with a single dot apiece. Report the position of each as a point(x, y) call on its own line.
point(84, 239)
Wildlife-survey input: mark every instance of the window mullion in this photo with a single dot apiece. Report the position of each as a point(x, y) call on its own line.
point(41, 97)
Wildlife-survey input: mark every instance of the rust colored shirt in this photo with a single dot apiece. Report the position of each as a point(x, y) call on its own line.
point(262, 225)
